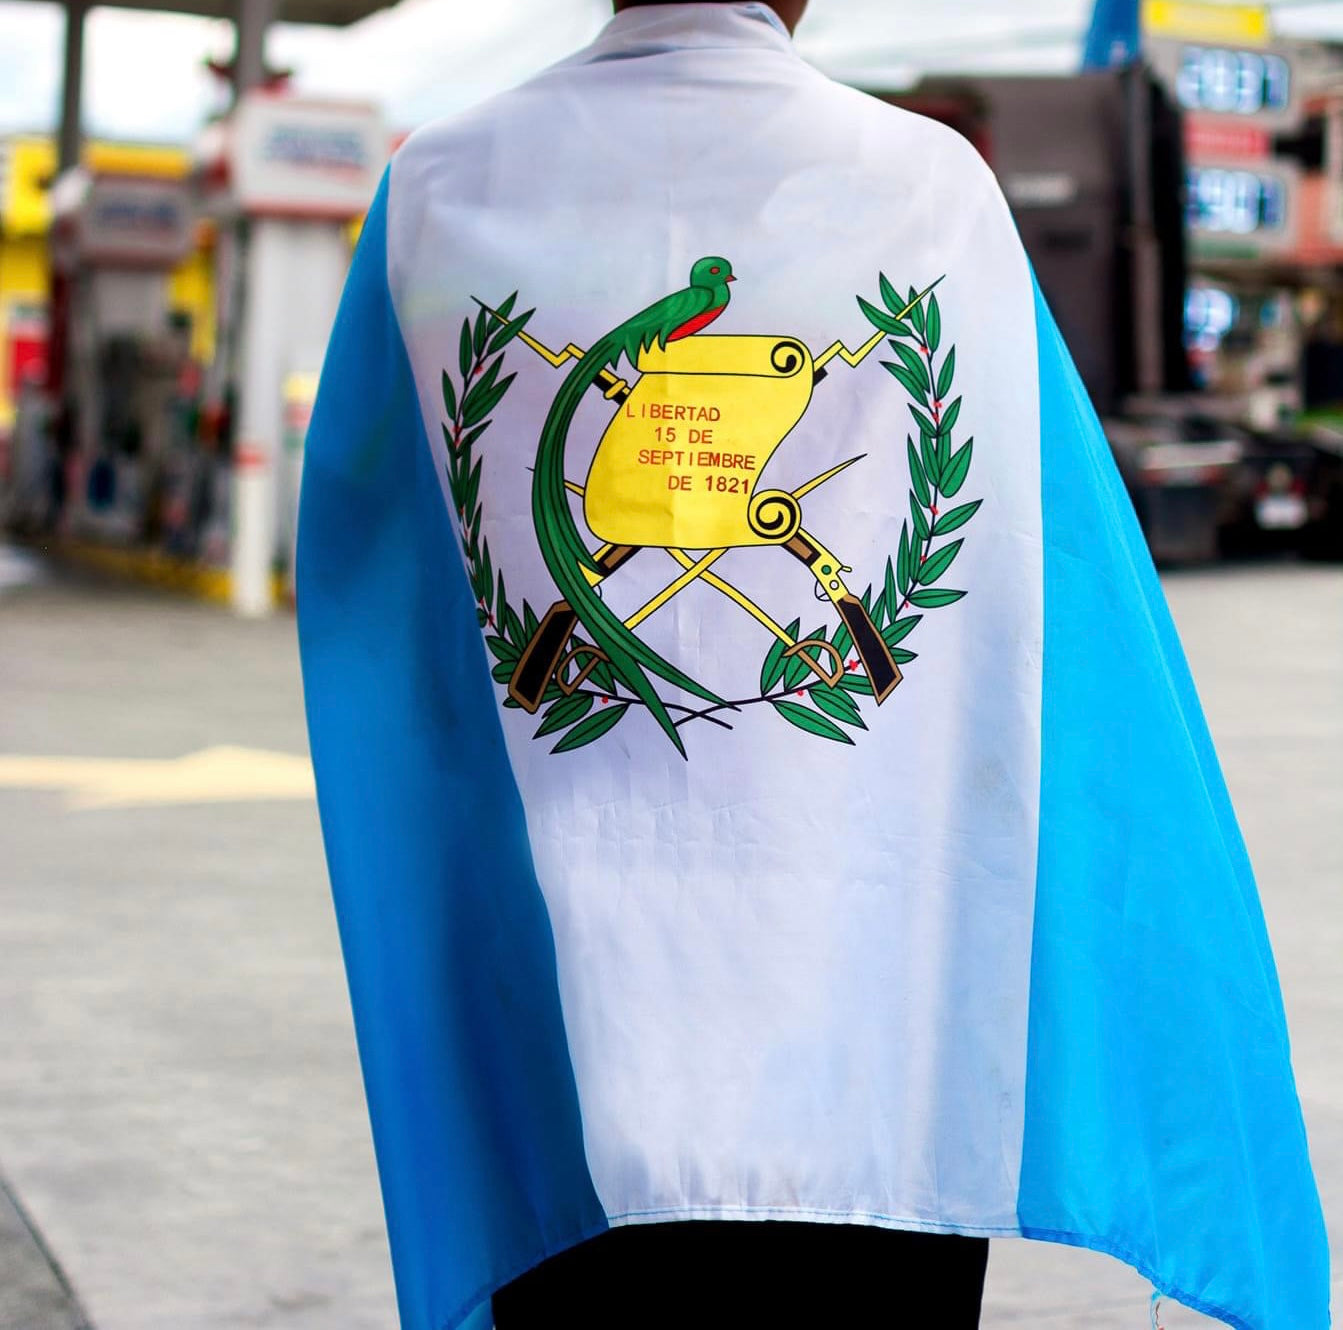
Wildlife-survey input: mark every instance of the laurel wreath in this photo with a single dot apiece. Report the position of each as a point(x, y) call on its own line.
point(507, 630)
point(938, 470)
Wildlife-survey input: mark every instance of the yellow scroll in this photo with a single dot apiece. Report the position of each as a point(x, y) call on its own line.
point(677, 467)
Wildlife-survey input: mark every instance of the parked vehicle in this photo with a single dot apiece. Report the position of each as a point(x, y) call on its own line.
point(1268, 507)
point(1322, 537)
point(1204, 486)
point(1182, 479)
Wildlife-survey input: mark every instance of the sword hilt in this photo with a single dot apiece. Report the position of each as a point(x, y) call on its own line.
point(546, 652)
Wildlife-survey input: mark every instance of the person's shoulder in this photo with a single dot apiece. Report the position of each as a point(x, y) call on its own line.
point(461, 135)
point(447, 137)
point(876, 125)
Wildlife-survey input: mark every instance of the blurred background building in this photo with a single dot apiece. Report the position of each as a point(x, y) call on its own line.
point(168, 278)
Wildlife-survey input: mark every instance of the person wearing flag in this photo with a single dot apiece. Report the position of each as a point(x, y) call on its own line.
point(772, 826)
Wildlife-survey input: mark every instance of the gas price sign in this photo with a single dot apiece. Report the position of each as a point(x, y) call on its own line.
point(1254, 87)
point(1236, 209)
point(1232, 82)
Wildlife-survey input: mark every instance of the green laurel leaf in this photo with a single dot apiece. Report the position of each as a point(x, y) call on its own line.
point(508, 332)
point(838, 704)
point(906, 380)
point(879, 610)
point(933, 598)
point(902, 560)
point(530, 623)
point(810, 721)
point(933, 332)
point(957, 517)
point(502, 650)
point(943, 451)
point(891, 595)
point(483, 404)
point(925, 425)
point(485, 380)
point(842, 641)
point(921, 528)
point(481, 331)
point(957, 469)
point(772, 670)
point(901, 629)
point(916, 314)
point(903, 657)
point(916, 473)
point(592, 728)
point(946, 374)
point(567, 711)
point(472, 487)
point(506, 308)
point(449, 397)
point(936, 564)
point(880, 319)
point(503, 671)
point(914, 363)
point(889, 294)
point(464, 350)
point(930, 457)
point(950, 417)
point(857, 683)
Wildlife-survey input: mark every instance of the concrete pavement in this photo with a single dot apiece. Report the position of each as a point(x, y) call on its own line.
point(180, 1108)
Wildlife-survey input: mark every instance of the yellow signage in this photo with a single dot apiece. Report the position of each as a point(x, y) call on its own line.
point(1240, 25)
point(25, 209)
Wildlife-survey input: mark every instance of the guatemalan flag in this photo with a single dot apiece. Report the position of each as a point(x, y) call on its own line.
point(759, 775)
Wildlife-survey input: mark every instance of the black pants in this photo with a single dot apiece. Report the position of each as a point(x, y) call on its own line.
point(751, 1275)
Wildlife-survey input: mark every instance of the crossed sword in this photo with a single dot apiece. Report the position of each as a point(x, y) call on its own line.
point(544, 658)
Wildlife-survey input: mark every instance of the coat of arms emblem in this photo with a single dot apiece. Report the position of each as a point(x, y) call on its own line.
point(678, 472)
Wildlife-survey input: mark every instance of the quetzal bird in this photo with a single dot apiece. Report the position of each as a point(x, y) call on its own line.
point(562, 547)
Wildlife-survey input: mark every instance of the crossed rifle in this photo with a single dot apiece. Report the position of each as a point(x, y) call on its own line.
point(548, 655)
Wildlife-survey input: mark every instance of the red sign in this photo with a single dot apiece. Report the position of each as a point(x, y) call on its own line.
point(1216, 139)
point(28, 338)
point(28, 359)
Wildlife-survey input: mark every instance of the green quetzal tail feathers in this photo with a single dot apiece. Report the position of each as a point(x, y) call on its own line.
point(566, 555)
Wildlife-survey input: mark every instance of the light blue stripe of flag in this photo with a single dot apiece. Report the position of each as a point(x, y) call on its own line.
point(447, 943)
point(1162, 1123)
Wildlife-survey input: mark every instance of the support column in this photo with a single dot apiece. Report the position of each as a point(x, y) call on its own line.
point(72, 85)
point(257, 367)
point(295, 272)
point(260, 370)
point(249, 59)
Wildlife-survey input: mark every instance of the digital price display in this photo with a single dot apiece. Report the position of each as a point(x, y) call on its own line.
point(1228, 82)
point(1209, 314)
point(1230, 202)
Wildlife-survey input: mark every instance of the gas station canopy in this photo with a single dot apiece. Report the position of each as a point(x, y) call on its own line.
point(251, 19)
point(333, 13)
